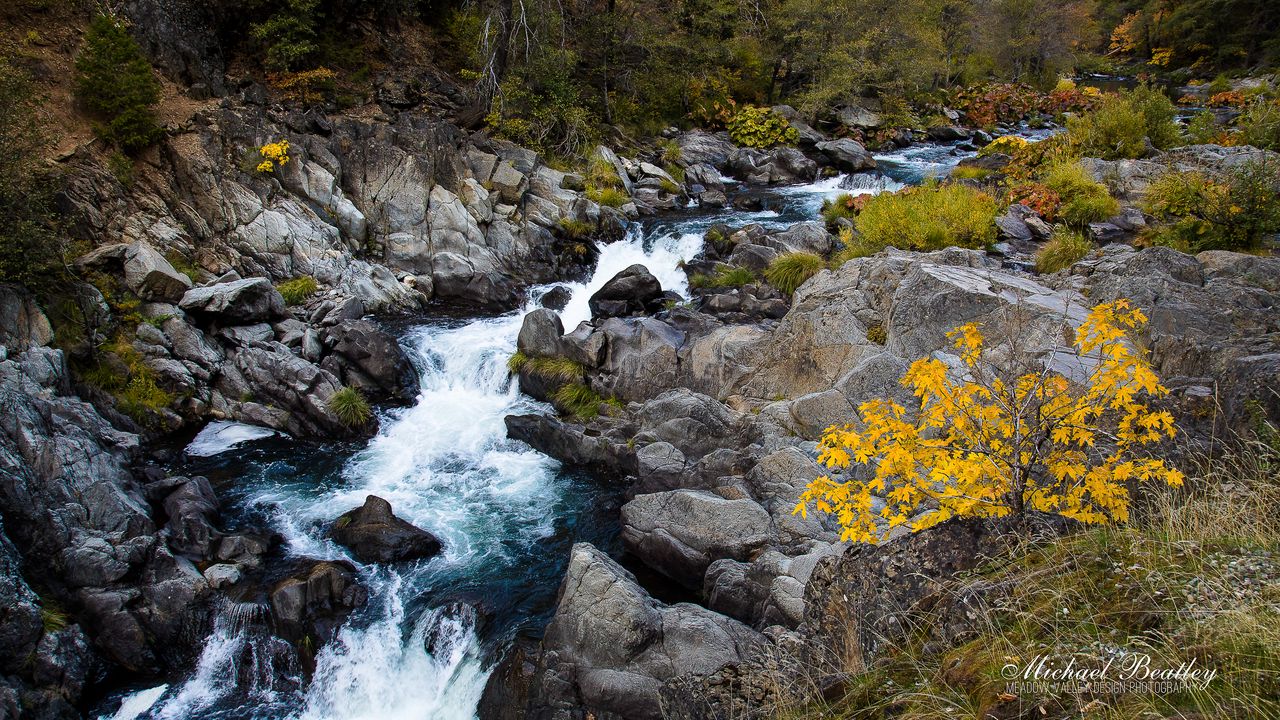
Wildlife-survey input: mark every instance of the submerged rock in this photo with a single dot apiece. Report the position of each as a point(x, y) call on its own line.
point(375, 535)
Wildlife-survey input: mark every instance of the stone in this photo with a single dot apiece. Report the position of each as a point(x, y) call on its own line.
point(540, 334)
point(680, 532)
point(847, 155)
point(375, 535)
point(632, 291)
point(235, 303)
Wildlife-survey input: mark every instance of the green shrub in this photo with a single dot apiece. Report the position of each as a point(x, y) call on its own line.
point(929, 217)
point(760, 128)
point(877, 334)
point(1064, 249)
point(297, 290)
point(115, 83)
point(841, 206)
point(1116, 128)
point(349, 405)
point(578, 400)
point(668, 152)
point(1233, 211)
point(1083, 199)
point(789, 271)
point(1260, 125)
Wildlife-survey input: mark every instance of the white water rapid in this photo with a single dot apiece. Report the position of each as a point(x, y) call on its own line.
point(445, 465)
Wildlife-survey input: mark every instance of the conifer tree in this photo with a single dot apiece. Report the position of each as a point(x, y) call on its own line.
point(116, 85)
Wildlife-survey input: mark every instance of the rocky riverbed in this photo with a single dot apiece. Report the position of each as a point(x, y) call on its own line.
point(301, 560)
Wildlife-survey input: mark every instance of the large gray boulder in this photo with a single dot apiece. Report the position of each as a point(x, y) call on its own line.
point(680, 532)
point(701, 147)
point(22, 324)
point(364, 356)
point(240, 302)
point(540, 334)
point(610, 647)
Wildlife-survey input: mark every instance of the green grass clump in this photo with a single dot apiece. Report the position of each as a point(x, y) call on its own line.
point(576, 229)
point(725, 277)
point(516, 362)
point(350, 406)
point(578, 400)
point(669, 152)
point(789, 271)
point(1084, 200)
point(842, 206)
point(601, 174)
point(1064, 249)
point(929, 217)
point(614, 197)
point(554, 369)
point(1116, 127)
point(297, 290)
point(53, 617)
point(124, 373)
point(969, 172)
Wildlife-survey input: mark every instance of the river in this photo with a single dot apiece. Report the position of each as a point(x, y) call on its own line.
point(506, 514)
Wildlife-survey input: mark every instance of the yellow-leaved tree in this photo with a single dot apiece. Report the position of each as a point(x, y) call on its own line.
point(987, 446)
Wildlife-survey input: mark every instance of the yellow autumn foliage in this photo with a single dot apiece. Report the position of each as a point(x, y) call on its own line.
point(274, 155)
point(985, 446)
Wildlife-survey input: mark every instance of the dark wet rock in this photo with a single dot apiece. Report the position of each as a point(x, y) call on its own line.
point(847, 155)
point(192, 509)
point(314, 600)
point(556, 298)
point(366, 357)
point(571, 445)
point(633, 291)
point(375, 535)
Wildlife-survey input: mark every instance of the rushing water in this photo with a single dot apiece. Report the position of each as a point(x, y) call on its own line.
point(506, 514)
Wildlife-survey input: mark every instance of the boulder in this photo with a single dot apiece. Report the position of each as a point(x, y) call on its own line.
point(240, 302)
point(632, 291)
point(22, 324)
point(366, 357)
point(847, 155)
point(680, 532)
point(540, 334)
point(315, 599)
point(610, 647)
point(699, 147)
point(864, 115)
point(375, 535)
point(192, 509)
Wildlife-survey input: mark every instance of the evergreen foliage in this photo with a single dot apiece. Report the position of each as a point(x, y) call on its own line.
point(115, 83)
